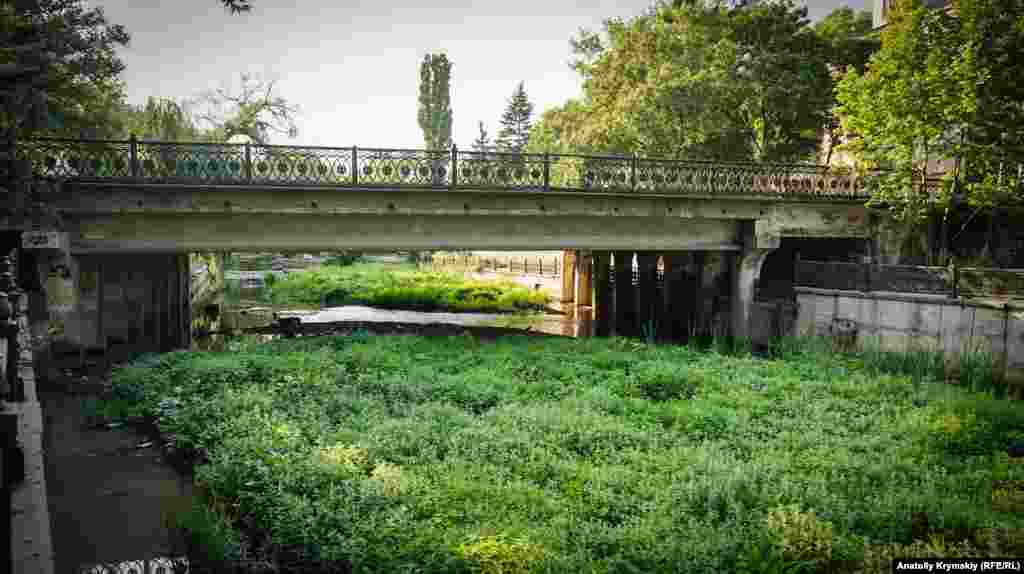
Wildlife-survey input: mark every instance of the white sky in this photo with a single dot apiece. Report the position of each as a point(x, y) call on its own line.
point(352, 66)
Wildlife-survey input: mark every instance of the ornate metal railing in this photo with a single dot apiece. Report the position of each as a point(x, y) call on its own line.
point(252, 164)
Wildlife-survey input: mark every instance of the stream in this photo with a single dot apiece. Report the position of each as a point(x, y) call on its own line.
point(246, 308)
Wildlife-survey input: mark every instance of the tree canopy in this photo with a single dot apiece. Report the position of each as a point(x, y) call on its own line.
point(516, 121)
point(706, 79)
point(254, 111)
point(237, 6)
point(62, 68)
point(435, 109)
point(942, 87)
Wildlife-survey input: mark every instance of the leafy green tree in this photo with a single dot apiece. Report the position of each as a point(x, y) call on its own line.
point(58, 65)
point(162, 119)
point(942, 87)
point(850, 42)
point(516, 122)
point(435, 110)
point(848, 37)
point(704, 79)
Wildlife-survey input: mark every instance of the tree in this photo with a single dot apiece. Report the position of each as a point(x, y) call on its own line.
point(850, 43)
point(435, 112)
point(59, 64)
point(237, 6)
point(482, 142)
point(162, 119)
point(515, 122)
point(705, 79)
point(942, 87)
point(255, 112)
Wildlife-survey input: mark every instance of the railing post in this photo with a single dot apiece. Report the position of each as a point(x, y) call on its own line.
point(355, 166)
point(453, 182)
point(632, 174)
point(133, 156)
point(547, 171)
point(956, 280)
point(248, 163)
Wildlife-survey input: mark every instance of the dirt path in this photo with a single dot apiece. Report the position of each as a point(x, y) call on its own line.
point(107, 498)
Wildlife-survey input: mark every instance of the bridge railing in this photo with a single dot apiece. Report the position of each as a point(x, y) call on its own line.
point(254, 164)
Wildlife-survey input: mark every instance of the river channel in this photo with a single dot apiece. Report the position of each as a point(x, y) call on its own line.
point(246, 307)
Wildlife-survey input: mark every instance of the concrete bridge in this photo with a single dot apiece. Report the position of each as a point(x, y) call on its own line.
point(122, 214)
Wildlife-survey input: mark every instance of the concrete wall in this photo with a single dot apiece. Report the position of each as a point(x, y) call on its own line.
point(137, 302)
point(900, 321)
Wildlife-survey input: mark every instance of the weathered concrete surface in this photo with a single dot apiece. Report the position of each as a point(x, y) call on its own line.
point(237, 232)
point(31, 545)
point(109, 217)
point(108, 499)
point(899, 321)
point(130, 298)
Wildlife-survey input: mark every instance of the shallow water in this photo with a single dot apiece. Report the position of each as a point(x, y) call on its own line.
point(246, 306)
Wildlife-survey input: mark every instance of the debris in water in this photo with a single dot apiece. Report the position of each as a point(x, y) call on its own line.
point(145, 444)
point(114, 425)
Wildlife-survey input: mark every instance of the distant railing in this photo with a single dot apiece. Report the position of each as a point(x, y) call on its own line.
point(151, 162)
point(952, 281)
point(518, 265)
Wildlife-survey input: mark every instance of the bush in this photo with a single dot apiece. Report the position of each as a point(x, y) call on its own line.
point(394, 287)
point(206, 537)
point(501, 555)
point(390, 454)
point(803, 535)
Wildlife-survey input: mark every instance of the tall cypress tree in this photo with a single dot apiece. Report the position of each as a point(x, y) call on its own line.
point(515, 122)
point(435, 112)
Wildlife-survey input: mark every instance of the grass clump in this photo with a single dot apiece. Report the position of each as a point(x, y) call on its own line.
point(402, 287)
point(393, 454)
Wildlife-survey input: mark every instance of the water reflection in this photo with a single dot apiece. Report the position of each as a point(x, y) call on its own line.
point(246, 305)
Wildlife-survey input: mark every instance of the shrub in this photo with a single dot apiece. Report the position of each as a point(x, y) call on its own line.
point(205, 536)
point(499, 554)
point(661, 381)
point(878, 557)
point(803, 535)
point(1009, 497)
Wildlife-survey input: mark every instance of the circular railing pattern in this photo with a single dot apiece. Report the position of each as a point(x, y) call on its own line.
point(191, 163)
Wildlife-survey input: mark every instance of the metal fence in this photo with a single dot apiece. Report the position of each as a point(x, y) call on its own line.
point(524, 265)
point(134, 161)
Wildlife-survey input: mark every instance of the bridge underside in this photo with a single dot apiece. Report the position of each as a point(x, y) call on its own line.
point(258, 231)
point(109, 228)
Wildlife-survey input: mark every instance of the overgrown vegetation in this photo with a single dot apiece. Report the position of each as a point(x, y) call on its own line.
point(401, 287)
point(395, 454)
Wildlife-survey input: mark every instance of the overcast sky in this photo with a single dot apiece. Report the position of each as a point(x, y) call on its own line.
point(352, 66)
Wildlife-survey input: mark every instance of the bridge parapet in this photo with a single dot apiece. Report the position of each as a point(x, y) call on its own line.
point(145, 162)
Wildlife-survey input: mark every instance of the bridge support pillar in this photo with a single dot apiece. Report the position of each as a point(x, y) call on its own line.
point(584, 292)
point(670, 324)
point(568, 276)
point(692, 292)
point(625, 300)
point(602, 293)
point(128, 303)
point(746, 271)
point(647, 308)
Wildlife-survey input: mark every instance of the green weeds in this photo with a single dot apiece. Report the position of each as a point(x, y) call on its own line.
point(392, 454)
point(401, 287)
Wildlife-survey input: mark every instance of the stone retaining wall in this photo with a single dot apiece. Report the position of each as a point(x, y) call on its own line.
point(902, 320)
